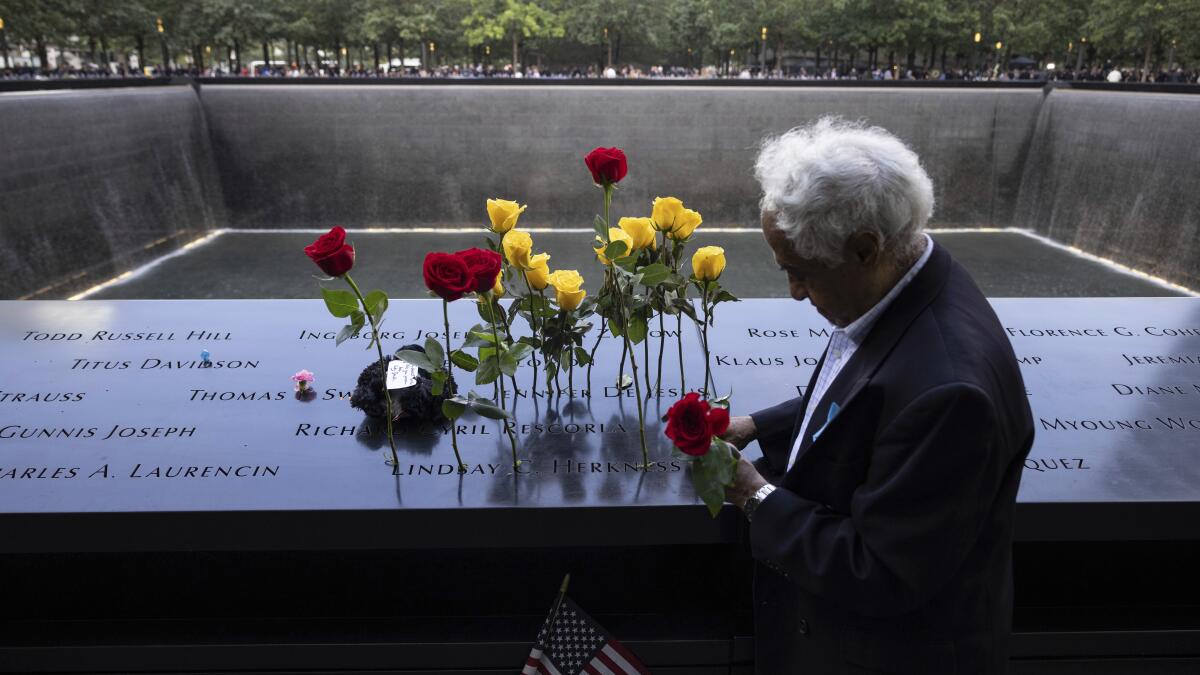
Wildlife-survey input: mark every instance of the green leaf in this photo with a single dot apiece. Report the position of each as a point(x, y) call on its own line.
point(520, 351)
point(725, 296)
point(687, 308)
point(582, 357)
point(490, 313)
point(352, 329)
point(626, 264)
point(453, 408)
point(340, 303)
point(345, 333)
point(512, 358)
point(637, 328)
point(418, 359)
point(377, 302)
point(615, 250)
point(708, 488)
point(712, 473)
point(601, 228)
point(482, 337)
point(489, 368)
point(653, 275)
point(485, 408)
point(464, 360)
point(439, 382)
point(614, 328)
point(434, 351)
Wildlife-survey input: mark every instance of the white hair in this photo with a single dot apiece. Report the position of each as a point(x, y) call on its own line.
point(832, 179)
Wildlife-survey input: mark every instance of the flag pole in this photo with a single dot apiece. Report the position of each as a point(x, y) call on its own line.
point(562, 593)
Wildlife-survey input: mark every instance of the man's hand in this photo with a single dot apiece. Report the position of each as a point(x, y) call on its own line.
point(741, 431)
point(746, 481)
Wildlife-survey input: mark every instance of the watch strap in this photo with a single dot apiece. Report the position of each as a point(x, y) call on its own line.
point(756, 499)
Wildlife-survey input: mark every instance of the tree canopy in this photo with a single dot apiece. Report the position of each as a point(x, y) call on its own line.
point(563, 33)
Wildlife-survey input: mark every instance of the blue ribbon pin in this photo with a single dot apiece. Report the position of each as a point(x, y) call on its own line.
point(833, 411)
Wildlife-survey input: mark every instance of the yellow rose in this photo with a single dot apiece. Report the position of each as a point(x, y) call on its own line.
point(641, 231)
point(538, 270)
point(498, 288)
point(566, 280)
point(567, 284)
point(504, 214)
point(708, 262)
point(685, 224)
point(614, 234)
point(664, 213)
point(517, 246)
point(570, 300)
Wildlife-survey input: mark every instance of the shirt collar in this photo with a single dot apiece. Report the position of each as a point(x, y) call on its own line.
point(858, 330)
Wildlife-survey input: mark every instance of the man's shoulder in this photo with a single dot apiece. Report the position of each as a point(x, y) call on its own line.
point(956, 338)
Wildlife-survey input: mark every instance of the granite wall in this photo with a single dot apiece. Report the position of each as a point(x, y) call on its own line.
point(95, 182)
point(403, 155)
point(1118, 175)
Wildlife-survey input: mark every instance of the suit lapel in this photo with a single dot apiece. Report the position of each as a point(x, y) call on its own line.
point(804, 403)
point(871, 354)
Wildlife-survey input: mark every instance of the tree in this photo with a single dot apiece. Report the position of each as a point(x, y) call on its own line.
point(516, 19)
point(615, 24)
point(42, 22)
point(1141, 26)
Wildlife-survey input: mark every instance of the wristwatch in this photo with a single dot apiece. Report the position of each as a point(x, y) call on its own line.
point(757, 498)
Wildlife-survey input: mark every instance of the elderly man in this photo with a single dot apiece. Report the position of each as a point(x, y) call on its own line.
point(881, 512)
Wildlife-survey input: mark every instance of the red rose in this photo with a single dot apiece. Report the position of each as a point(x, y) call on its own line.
point(691, 424)
point(447, 276)
point(607, 165)
point(331, 252)
point(483, 266)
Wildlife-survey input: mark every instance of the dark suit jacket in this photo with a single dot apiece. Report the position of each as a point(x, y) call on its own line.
point(888, 545)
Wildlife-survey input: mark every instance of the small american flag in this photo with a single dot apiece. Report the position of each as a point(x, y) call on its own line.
point(571, 642)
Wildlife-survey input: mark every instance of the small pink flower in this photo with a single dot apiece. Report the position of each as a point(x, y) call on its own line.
point(302, 379)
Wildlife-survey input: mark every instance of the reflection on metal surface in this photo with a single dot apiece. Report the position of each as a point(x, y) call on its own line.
point(1114, 385)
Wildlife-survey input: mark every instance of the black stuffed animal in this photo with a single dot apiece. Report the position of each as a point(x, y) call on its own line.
point(412, 403)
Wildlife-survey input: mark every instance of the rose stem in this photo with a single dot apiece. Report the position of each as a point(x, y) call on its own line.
point(533, 327)
point(704, 335)
point(679, 341)
point(462, 468)
point(496, 391)
point(500, 379)
point(662, 337)
point(599, 336)
point(637, 386)
point(592, 356)
point(545, 352)
point(496, 336)
point(661, 344)
point(387, 397)
point(512, 378)
point(624, 353)
point(638, 394)
point(646, 362)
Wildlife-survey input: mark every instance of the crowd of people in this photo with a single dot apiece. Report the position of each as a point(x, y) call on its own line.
point(1096, 73)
